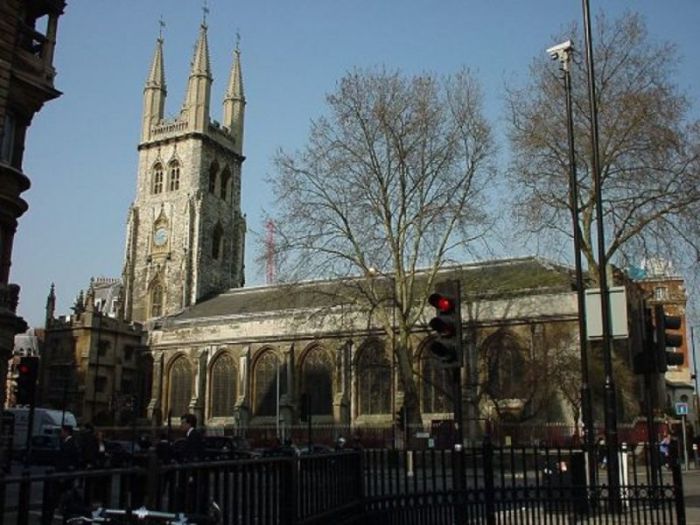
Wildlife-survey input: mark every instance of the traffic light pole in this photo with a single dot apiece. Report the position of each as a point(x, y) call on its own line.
point(459, 423)
point(651, 429)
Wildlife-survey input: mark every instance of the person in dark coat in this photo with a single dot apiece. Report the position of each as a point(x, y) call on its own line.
point(90, 447)
point(193, 449)
point(193, 488)
point(62, 492)
point(69, 453)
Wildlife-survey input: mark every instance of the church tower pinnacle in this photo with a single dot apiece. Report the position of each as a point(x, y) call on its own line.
point(185, 235)
point(154, 93)
point(234, 101)
point(199, 86)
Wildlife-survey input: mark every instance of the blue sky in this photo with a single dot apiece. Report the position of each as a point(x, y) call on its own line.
point(81, 150)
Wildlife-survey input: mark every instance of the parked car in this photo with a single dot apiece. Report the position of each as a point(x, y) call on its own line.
point(119, 453)
point(314, 449)
point(45, 450)
point(219, 448)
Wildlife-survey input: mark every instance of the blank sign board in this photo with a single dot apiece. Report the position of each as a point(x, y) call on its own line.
point(618, 313)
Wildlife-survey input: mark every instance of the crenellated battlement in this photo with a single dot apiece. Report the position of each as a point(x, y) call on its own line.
point(168, 128)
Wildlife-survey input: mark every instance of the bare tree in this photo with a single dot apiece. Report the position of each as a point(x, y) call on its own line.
point(392, 180)
point(648, 147)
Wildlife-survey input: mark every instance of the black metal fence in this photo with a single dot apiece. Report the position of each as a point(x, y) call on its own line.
point(485, 484)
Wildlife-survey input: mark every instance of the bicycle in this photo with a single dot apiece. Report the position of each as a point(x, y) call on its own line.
point(144, 515)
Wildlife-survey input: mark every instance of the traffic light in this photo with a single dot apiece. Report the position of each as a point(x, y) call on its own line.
point(663, 339)
point(401, 417)
point(446, 346)
point(644, 362)
point(27, 374)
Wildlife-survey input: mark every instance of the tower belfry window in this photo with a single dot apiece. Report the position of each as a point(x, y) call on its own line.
point(157, 300)
point(174, 177)
point(157, 179)
point(217, 239)
point(213, 171)
point(225, 181)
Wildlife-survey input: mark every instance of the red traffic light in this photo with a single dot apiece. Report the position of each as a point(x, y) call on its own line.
point(444, 305)
point(23, 369)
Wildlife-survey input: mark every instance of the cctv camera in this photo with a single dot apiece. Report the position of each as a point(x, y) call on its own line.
point(558, 50)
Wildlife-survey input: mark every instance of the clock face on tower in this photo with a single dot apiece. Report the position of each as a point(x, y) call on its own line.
point(160, 237)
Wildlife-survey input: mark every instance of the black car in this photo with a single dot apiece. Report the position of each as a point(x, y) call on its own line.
point(45, 450)
point(120, 453)
point(219, 448)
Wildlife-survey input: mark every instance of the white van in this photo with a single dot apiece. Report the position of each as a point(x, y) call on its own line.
point(47, 422)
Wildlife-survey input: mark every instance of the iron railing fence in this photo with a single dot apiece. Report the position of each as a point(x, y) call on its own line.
point(477, 485)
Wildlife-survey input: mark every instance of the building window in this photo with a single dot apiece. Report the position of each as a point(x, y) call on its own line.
point(128, 353)
point(217, 239)
point(223, 386)
point(174, 177)
point(180, 387)
point(317, 381)
point(101, 384)
point(213, 170)
point(102, 347)
point(157, 179)
point(435, 386)
point(506, 367)
point(265, 387)
point(661, 293)
point(373, 381)
point(157, 300)
point(225, 181)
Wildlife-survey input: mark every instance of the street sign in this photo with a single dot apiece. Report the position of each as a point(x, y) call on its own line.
point(681, 409)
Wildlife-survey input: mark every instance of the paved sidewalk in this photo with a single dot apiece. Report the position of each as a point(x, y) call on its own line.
point(691, 490)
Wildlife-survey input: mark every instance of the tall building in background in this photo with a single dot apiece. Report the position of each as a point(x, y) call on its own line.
point(186, 233)
point(663, 285)
point(27, 43)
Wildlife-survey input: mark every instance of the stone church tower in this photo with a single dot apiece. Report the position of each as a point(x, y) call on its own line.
point(185, 233)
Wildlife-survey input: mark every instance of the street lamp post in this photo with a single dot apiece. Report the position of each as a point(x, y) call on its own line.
point(563, 52)
point(611, 438)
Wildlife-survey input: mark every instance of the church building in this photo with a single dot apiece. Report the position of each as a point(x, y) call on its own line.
point(252, 358)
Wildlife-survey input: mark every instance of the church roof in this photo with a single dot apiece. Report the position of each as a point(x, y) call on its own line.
point(490, 279)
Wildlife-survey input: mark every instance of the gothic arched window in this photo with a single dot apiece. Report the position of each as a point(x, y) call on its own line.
point(157, 186)
point(373, 381)
point(180, 387)
point(217, 241)
point(225, 181)
point(317, 381)
point(265, 384)
point(223, 386)
point(174, 176)
point(157, 300)
point(213, 171)
point(506, 367)
point(435, 386)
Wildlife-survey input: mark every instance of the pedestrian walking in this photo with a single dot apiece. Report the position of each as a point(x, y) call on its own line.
point(63, 493)
point(193, 449)
point(665, 449)
point(90, 447)
point(192, 488)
